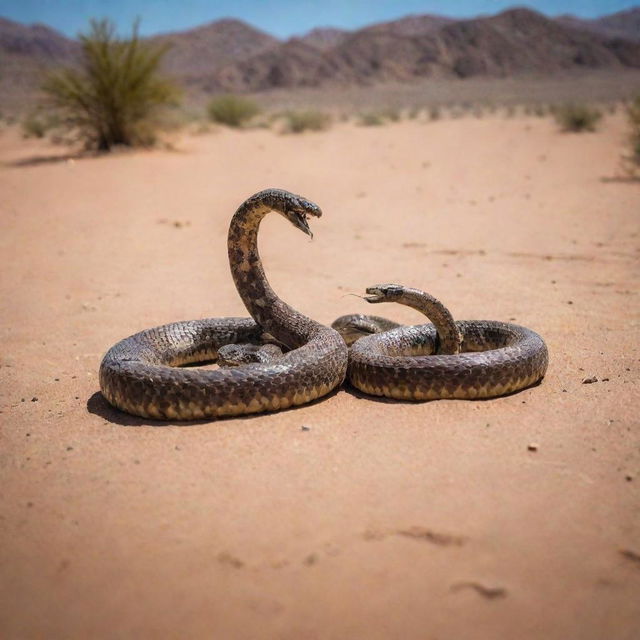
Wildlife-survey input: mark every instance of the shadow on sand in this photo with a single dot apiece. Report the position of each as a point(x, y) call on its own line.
point(35, 161)
point(97, 405)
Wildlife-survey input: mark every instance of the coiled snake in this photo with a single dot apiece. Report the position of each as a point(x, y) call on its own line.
point(446, 359)
point(141, 374)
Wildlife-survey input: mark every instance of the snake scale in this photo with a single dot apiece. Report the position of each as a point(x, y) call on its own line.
point(140, 374)
point(143, 374)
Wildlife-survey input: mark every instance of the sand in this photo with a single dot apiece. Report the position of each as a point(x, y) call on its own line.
point(352, 517)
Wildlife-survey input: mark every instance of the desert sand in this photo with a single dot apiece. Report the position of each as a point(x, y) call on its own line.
point(352, 517)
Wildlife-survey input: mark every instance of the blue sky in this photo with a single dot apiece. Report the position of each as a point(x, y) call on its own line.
point(281, 18)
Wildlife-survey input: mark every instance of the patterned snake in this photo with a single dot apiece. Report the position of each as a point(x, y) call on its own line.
point(142, 376)
point(139, 374)
point(446, 359)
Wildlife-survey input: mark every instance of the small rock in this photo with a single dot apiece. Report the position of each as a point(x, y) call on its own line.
point(589, 380)
point(305, 428)
point(629, 477)
point(34, 399)
point(533, 446)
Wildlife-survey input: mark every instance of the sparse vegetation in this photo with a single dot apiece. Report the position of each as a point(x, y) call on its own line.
point(34, 126)
point(117, 94)
point(370, 119)
point(391, 113)
point(37, 124)
point(434, 113)
point(379, 117)
point(577, 117)
point(632, 161)
point(311, 120)
point(232, 110)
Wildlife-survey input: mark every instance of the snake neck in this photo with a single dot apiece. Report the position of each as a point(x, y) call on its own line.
point(275, 316)
point(449, 336)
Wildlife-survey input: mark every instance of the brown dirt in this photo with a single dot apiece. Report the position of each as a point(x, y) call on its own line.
point(511, 518)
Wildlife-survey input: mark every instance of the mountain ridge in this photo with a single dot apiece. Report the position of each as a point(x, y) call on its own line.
point(231, 55)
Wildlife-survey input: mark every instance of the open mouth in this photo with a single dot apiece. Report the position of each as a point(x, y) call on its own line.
point(375, 295)
point(300, 221)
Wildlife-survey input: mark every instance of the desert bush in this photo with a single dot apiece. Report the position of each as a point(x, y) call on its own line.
point(33, 126)
point(232, 110)
point(434, 113)
point(632, 161)
point(116, 95)
point(391, 113)
point(370, 119)
point(311, 120)
point(577, 117)
point(37, 124)
point(539, 111)
point(379, 117)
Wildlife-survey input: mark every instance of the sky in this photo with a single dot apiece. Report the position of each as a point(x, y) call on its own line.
point(281, 18)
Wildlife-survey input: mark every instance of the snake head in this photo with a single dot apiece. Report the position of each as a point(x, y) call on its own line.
point(297, 209)
point(384, 293)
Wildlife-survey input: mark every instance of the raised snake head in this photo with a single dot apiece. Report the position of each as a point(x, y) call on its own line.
point(384, 293)
point(296, 209)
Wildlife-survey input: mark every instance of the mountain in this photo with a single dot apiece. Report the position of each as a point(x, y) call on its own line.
point(35, 41)
point(324, 38)
point(26, 52)
point(516, 41)
point(412, 25)
point(624, 24)
point(523, 41)
point(230, 55)
point(195, 53)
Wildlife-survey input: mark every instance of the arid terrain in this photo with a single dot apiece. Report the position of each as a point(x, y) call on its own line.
point(517, 517)
point(229, 55)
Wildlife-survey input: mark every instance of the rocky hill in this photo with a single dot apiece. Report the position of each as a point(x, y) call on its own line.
point(624, 24)
point(196, 53)
point(517, 41)
point(229, 55)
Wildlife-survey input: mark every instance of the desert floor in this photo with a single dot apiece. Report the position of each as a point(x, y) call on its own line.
point(517, 517)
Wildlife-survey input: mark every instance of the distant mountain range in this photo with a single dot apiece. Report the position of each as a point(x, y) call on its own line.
point(229, 55)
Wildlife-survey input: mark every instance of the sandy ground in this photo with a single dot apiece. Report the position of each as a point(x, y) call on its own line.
point(380, 519)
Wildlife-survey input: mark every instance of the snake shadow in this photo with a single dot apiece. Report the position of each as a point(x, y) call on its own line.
point(98, 406)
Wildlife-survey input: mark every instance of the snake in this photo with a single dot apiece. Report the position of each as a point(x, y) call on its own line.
point(470, 359)
point(144, 374)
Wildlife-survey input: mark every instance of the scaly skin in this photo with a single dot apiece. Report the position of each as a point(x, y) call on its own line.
point(139, 375)
point(496, 358)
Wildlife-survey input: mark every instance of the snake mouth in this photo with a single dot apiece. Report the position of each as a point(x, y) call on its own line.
point(376, 295)
point(384, 293)
point(299, 220)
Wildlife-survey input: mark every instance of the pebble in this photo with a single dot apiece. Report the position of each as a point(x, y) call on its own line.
point(533, 446)
point(590, 380)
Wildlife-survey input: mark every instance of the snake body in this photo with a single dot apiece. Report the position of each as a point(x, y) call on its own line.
point(410, 363)
point(142, 376)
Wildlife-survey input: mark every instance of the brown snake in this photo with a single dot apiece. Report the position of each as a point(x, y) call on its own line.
point(447, 359)
point(142, 376)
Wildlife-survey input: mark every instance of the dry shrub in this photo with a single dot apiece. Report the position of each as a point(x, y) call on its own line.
point(311, 120)
point(231, 110)
point(577, 118)
point(632, 161)
point(116, 94)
